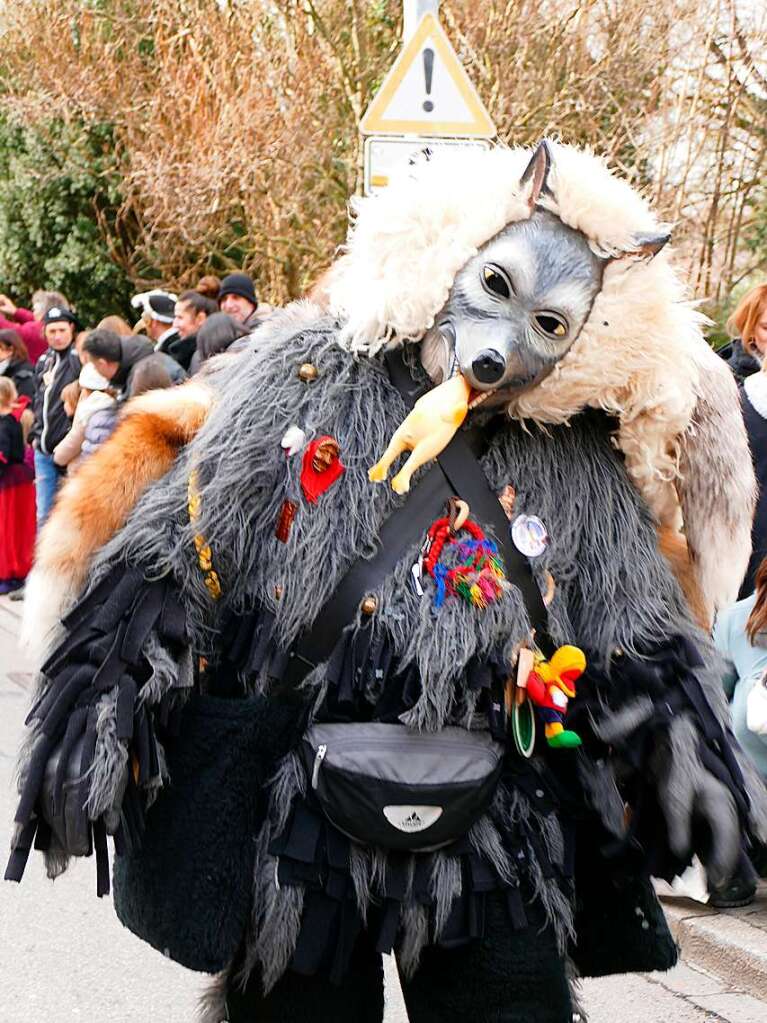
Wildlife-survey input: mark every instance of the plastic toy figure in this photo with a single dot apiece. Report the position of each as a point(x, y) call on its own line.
point(550, 685)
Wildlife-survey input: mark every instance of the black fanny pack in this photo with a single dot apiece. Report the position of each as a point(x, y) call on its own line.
point(393, 787)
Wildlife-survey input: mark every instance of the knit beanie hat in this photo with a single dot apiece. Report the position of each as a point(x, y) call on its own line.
point(238, 284)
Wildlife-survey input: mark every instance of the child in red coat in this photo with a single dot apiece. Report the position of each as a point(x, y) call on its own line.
point(17, 492)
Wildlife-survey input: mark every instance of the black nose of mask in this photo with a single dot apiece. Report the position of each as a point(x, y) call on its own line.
point(488, 366)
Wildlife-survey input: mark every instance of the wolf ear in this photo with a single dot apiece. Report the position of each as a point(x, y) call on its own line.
point(536, 174)
point(646, 246)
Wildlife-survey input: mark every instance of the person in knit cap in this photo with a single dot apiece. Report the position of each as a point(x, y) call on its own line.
point(237, 298)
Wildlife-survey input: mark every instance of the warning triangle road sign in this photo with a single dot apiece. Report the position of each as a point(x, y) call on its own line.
point(427, 92)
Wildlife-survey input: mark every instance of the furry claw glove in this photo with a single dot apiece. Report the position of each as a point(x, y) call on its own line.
point(697, 806)
point(673, 762)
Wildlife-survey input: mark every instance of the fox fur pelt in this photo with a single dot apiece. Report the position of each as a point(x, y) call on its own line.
point(96, 502)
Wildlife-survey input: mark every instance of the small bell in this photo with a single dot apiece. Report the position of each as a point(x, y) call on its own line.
point(369, 605)
point(307, 372)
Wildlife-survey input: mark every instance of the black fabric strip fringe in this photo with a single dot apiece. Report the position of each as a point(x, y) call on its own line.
point(314, 855)
point(103, 650)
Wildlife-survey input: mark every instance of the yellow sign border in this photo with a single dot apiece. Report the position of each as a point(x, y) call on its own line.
point(373, 122)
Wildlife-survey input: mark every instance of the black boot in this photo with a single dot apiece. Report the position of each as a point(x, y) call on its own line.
point(738, 891)
point(758, 857)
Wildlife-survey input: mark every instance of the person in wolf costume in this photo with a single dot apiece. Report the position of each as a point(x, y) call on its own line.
point(242, 504)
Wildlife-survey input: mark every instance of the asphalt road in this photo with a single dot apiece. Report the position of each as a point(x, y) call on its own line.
point(65, 958)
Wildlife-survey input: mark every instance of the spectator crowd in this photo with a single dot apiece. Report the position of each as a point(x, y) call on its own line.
point(63, 387)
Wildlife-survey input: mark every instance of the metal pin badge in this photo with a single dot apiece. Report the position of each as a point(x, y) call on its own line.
point(529, 535)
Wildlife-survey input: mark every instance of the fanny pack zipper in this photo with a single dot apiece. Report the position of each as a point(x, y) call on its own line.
point(322, 752)
point(424, 741)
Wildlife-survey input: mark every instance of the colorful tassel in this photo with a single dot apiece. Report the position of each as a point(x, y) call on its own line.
point(479, 579)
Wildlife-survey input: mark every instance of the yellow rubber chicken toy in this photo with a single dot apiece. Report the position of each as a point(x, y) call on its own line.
point(550, 685)
point(425, 432)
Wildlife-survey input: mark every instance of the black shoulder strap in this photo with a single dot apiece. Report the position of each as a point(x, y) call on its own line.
point(457, 472)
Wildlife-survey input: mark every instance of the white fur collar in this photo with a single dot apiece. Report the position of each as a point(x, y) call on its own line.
point(641, 354)
point(755, 387)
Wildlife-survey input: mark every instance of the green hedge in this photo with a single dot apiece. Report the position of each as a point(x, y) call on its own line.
point(55, 179)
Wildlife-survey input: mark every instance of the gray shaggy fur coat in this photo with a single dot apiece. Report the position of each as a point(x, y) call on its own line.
point(614, 596)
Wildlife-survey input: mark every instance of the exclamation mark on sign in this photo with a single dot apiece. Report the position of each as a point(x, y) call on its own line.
point(428, 71)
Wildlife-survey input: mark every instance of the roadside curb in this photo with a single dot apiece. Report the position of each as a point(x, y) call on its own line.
point(732, 944)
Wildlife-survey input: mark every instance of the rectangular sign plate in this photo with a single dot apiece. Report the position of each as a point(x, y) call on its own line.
point(385, 156)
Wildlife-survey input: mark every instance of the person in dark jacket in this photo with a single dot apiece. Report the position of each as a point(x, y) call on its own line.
point(753, 397)
point(158, 309)
point(155, 371)
point(216, 335)
point(748, 324)
point(116, 358)
point(738, 359)
point(11, 433)
point(17, 493)
point(749, 320)
point(58, 367)
point(15, 364)
point(192, 310)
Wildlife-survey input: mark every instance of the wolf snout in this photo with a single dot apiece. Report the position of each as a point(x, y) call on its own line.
point(488, 366)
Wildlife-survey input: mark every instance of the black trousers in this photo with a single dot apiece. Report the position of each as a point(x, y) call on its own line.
point(506, 977)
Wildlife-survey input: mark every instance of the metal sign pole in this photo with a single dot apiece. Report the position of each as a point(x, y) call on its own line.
point(413, 11)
